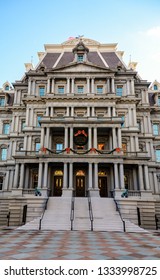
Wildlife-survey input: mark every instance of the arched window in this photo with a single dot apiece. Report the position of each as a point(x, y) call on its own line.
point(58, 173)
point(80, 173)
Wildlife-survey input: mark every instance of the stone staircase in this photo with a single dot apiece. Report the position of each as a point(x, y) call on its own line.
point(106, 218)
point(81, 214)
point(57, 215)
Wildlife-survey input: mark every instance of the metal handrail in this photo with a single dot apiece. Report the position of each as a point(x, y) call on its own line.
point(45, 207)
point(156, 220)
point(72, 210)
point(117, 209)
point(90, 210)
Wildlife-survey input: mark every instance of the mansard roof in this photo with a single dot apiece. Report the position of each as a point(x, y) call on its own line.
point(101, 55)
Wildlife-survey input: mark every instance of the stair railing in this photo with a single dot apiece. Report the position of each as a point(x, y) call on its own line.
point(45, 207)
point(117, 209)
point(156, 220)
point(72, 210)
point(90, 210)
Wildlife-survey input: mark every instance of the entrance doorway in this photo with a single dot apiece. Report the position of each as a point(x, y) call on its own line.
point(102, 184)
point(58, 183)
point(80, 183)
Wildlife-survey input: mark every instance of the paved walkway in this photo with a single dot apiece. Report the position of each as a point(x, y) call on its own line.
point(78, 245)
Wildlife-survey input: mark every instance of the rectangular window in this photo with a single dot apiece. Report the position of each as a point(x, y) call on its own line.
point(61, 89)
point(119, 90)
point(2, 102)
point(3, 154)
point(41, 91)
point(38, 121)
point(59, 147)
point(6, 128)
point(80, 57)
point(99, 89)
point(123, 119)
point(38, 145)
point(155, 129)
point(155, 87)
point(158, 100)
point(80, 89)
point(23, 124)
point(158, 155)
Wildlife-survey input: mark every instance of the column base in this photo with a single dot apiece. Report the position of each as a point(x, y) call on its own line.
point(67, 192)
point(118, 193)
point(94, 193)
point(17, 192)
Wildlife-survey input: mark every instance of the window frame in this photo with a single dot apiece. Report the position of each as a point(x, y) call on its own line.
point(41, 93)
point(6, 128)
point(99, 87)
point(157, 155)
point(119, 87)
point(60, 89)
point(3, 149)
point(80, 57)
point(155, 127)
point(2, 101)
point(80, 89)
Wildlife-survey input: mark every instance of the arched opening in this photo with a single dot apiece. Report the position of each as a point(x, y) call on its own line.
point(58, 183)
point(102, 183)
point(80, 183)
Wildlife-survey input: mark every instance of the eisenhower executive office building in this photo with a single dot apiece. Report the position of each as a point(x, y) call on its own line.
point(80, 123)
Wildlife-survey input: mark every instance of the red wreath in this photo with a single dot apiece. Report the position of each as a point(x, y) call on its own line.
point(43, 149)
point(68, 150)
point(93, 150)
point(118, 150)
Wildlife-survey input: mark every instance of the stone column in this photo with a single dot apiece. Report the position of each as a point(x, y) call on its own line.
point(45, 179)
point(96, 176)
point(88, 111)
point(116, 176)
point(119, 137)
point(140, 178)
point(114, 138)
point(52, 111)
point(132, 87)
point(66, 137)
point(48, 85)
point(42, 136)
point(40, 173)
point(71, 137)
point(135, 179)
point(33, 89)
point(121, 173)
point(128, 87)
point(26, 183)
point(155, 183)
point(15, 97)
point(16, 176)
point(90, 180)
point(71, 175)
point(29, 86)
point(53, 85)
point(21, 182)
point(93, 111)
point(47, 137)
point(88, 85)
point(11, 179)
point(68, 85)
point(65, 179)
point(108, 85)
point(72, 111)
point(113, 86)
point(89, 138)
point(146, 177)
point(92, 86)
point(134, 117)
point(73, 90)
point(109, 112)
point(95, 137)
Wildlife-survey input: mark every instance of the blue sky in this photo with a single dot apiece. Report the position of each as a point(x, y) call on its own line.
point(26, 25)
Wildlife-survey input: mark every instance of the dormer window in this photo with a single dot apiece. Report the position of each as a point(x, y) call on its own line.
point(80, 58)
point(7, 87)
point(80, 51)
point(155, 87)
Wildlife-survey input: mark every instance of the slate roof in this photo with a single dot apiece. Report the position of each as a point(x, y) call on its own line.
point(111, 58)
point(50, 59)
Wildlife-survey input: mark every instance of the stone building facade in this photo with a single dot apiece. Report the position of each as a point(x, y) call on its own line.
point(80, 121)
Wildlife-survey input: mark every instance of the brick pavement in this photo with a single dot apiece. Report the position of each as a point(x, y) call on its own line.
point(78, 245)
